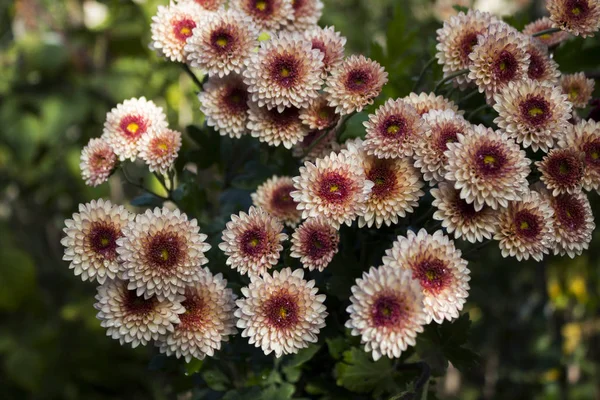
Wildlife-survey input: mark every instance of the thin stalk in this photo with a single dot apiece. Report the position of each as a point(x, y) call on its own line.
point(191, 74)
point(546, 32)
point(476, 111)
point(468, 96)
point(422, 74)
point(449, 78)
point(140, 186)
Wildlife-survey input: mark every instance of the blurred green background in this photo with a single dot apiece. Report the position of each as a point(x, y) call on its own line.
point(64, 64)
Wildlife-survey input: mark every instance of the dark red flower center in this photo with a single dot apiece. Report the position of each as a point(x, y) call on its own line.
point(297, 4)
point(262, 8)
point(592, 154)
point(164, 250)
point(253, 241)
point(283, 119)
point(101, 159)
point(282, 310)
point(284, 69)
point(195, 308)
point(235, 99)
point(334, 187)
point(467, 211)
point(535, 110)
point(537, 66)
point(133, 126)
point(222, 40)
point(137, 305)
point(433, 274)
point(384, 179)
point(387, 310)
point(570, 211)
point(326, 116)
point(527, 224)
point(281, 199)
point(467, 42)
point(318, 243)
point(211, 5)
point(490, 160)
point(565, 168)
point(358, 80)
point(448, 134)
point(505, 66)
point(577, 9)
point(102, 239)
point(394, 126)
point(182, 28)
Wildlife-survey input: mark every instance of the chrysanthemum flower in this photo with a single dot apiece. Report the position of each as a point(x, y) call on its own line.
point(306, 14)
point(562, 170)
point(499, 57)
point(315, 242)
point(541, 68)
point(252, 242)
point(274, 127)
point(533, 113)
point(208, 320)
point(326, 143)
point(396, 189)
point(281, 313)
point(172, 26)
point(98, 161)
point(91, 239)
point(393, 130)
point(579, 17)
point(440, 128)
point(578, 89)
point(224, 102)
point(128, 122)
point(542, 24)
point(334, 187)
point(209, 5)
point(573, 223)
point(487, 167)
point(355, 84)
point(162, 252)
point(387, 311)
point(426, 102)
point(330, 43)
point(285, 72)
point(268, 15)
point(222, 43)
point(318, 115)
point(457, 39)
point(525, 228)
point(273, 196)
point(134, 319)
point(460, 217)
point(437, 265)
point(584, 137)
point(159, 149)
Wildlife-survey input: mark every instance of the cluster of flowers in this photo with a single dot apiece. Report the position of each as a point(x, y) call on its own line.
point(150, 265)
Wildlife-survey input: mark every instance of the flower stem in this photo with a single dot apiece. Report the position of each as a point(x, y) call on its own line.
point(188, 71)
point(449, 78)
point(422, 74)
point(546, 32)
point(476, 111)
point(140, 185)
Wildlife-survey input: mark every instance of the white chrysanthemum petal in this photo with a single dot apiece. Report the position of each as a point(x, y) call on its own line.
point(315, 242)
point(426, 102)
point(562, 170)
point(579, 17)
point(224, 102)
point(160, 149)
point(578, 88)
point(584, 137)
point(273, 196)
point(268, 15)
point(98, 161)
point(276, 127)
point(543, 24)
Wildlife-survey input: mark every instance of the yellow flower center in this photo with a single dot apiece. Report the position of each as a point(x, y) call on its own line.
point(487, 160)
point(254, 242)
point(162, 146)
point(535, 111)
point(563, 169)
point(573, 93)
point(595, 155)
point(285, 72)
point(546, 36)
point(524, 225)
point(222, 42)
point(576, 11)
point(283, 313)
point(261, 5)
point(132, 127)
point(164, 254)
point(185, 31)
point(431, 275)
point(502, 66)
point(386, 311)
point(393, 129)
point(104, 241)
point(379, 181)
point(333, 188)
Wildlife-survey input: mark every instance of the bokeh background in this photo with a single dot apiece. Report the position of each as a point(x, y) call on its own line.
point(64, 64)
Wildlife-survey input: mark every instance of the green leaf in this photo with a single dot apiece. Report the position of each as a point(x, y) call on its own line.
point(358, 373)
point(193, 366)
point(336, 346)
point(17, 278)
point(281, 392)
point(355, 127)
point(147, 200)
point(460, 8)
point(304, 355)
point(216, 380)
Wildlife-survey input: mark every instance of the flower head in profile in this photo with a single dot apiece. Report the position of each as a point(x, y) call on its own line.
point(222, 43)
point(128, 122)
point(208, 5)
point(584, 137)
point(268, 15)
point(315, 242)
point(488, 168)
point(159, 149)
point(457, 38)
point(91, 239)
point(393, 130)
point(208, 320)
point(562, 170)
point(542, 67)
point(172, 26)
point(460, 218)
point(275, 127)
point(386, 311)
point(319, 115)
point(98, 161)
point(274, 197)
point(285, 72)
point(426, 102)
point(440, 128)
point(578, 89)
point(543, 24)
point(252, 242)
point(306, 14)
point(499, 57)
point(334, 187)
point(573, 222)
point(281, 313)
point(354, 84)
point(224, 102)
point(134, 319)
point(533, 113)
point(162, 252)
point(525, 228)
point(579, 17)
point(438, 266)
point(330, 43)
